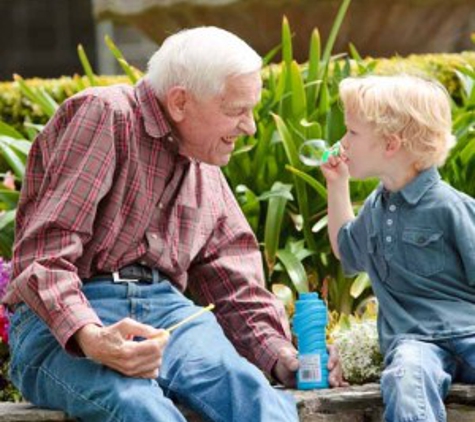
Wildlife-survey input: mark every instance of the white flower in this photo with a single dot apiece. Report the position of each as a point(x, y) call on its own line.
point(358, 346)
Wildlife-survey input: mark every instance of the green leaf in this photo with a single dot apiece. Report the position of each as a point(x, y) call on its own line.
point(37, 96)
point(86, 65)
point(12, 157)
point(36, 128)
point(271, 54)
point(354, 53)
point(299, 100)
point(51, 105)
point(277, 193)
point(334, 31)
point(7, 225)
point(9, 198)
point(10, 131)
point(287, 54)
point(320, 224)
point(273, 224)
point(129, 71)
point(312, 182)
point(295, 270)
point(313, 70)
point(359, 285)
point(289, 145)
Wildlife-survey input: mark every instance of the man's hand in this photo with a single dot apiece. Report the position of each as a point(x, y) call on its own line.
point(114, 346)
point(335, 371)
point(287, 365)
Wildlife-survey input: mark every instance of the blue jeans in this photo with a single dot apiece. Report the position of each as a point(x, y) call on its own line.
point(200, 366)
point(418, 376)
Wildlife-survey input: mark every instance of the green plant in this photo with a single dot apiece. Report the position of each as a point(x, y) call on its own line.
point(299, 102)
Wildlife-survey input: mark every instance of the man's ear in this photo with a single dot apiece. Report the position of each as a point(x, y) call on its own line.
point(175, 103)
point(394, 144)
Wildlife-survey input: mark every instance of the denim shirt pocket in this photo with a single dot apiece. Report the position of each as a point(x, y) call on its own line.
point(423, 251)
point(376, 256)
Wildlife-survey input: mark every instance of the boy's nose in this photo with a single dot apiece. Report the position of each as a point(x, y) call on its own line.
point(344, 142)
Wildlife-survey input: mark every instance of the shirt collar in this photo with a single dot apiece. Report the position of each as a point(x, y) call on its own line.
point(155, 121)
point(415, 190)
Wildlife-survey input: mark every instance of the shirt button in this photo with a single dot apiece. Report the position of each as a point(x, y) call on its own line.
point(154, 236)
point(389, 222)
point(389, 239)
point(421, 240)
point(160, 205)
point(392, 208)
point(143, 262)
point(170, 138)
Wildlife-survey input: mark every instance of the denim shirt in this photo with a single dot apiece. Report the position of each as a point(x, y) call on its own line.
point(418, 247)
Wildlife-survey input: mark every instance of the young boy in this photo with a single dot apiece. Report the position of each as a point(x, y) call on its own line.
point(414, 236)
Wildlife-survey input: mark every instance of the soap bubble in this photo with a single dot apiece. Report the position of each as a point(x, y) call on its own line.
point(316, 152)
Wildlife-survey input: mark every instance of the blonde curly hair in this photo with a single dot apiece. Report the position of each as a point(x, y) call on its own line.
point(414, 108)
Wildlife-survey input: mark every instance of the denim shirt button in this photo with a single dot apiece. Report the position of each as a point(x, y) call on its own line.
point(421, 240)
point(392, 208)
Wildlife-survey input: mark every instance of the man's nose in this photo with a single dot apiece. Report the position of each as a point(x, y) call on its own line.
point(247, 124)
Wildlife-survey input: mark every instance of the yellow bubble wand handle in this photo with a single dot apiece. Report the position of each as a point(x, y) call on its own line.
point(210, 307)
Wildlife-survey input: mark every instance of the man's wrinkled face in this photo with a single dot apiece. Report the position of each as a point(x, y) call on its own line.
point(210, 127)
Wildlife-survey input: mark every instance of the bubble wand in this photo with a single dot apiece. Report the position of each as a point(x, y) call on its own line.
point(210, 307)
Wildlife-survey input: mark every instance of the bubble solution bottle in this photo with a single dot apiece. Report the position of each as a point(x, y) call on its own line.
point(309, 325)
point(316, 152)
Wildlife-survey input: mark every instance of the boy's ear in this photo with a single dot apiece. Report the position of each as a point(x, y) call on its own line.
point(394, 144)
point(175, 103)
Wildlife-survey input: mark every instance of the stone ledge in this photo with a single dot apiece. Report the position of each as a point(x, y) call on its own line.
point(351, 404)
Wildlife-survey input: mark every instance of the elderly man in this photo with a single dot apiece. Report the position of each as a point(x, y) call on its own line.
point(123, 208)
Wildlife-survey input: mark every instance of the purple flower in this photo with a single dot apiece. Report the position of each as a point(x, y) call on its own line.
point(5, 273)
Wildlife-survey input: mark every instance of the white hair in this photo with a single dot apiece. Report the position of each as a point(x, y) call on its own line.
point(200, 60)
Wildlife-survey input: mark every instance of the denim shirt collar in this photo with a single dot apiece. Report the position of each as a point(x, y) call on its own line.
point(413, 191)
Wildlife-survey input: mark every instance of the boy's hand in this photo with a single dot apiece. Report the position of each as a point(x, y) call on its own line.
point(336, 169)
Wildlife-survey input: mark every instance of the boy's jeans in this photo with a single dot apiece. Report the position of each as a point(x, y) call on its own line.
point(200, 366)
point(418, 376)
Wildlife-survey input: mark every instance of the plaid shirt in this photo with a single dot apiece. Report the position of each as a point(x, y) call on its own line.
point(106, 187)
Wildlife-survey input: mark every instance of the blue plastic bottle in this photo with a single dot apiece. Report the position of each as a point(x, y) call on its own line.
point(309, 324)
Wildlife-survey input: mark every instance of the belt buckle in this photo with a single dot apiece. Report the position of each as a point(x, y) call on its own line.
point(118, 279)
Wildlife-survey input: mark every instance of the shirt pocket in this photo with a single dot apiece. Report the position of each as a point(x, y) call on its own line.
point(375, 252)
point(423, 251)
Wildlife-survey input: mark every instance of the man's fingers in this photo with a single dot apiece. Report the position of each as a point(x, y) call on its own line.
point(114, 346)
point(129, 327)
point(288, 357)
point(335, 378)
